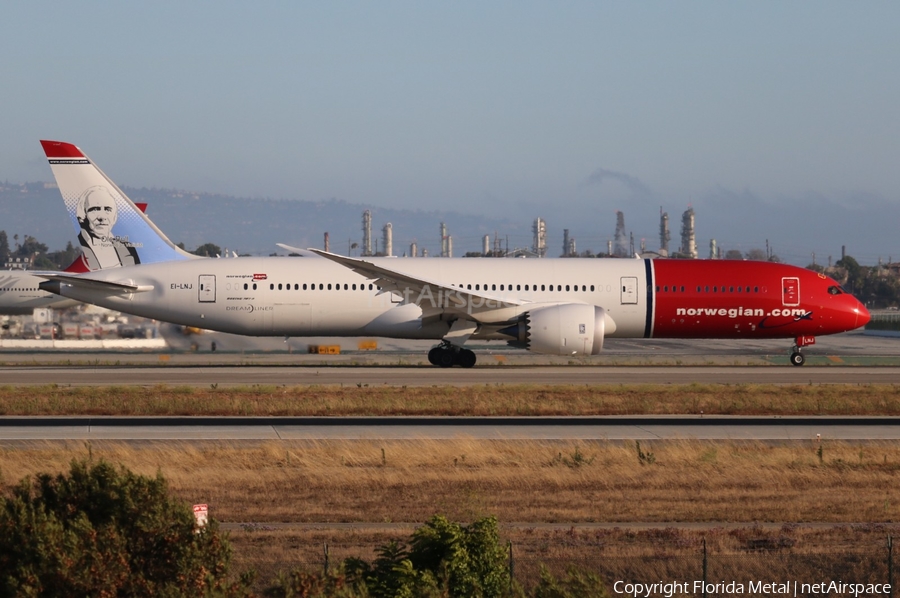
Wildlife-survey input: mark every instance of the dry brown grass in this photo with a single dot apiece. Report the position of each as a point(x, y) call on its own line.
point(518, 481)
point(527, 483)
point(469, 400)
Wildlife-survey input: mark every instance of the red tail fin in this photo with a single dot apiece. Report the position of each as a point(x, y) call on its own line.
point(78, 266)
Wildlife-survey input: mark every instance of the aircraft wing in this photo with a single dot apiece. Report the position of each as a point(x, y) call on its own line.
point(434, 298)
point(82, 282)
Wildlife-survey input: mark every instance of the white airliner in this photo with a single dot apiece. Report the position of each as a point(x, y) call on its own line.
point(550, 306)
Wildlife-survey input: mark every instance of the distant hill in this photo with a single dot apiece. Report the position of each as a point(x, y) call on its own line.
point(254, 226)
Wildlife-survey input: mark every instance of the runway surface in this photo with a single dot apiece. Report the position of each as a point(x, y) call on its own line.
point(278, 375)
point(764, 429)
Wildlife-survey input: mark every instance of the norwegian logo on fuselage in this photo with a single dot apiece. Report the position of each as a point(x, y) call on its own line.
point(259, 277)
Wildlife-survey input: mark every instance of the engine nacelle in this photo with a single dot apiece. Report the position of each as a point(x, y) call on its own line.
point(565, 329)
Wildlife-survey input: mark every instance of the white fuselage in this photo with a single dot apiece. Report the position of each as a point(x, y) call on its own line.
point(20, 295)
point(313, 296)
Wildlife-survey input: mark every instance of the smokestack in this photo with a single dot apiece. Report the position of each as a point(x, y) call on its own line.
point(413, 249)
point(565, 242)
point(486, 245)
point(327, 244)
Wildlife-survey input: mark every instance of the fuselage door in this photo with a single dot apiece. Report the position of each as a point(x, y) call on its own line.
point(790, 291)
point(629, 288)
point(207, 288)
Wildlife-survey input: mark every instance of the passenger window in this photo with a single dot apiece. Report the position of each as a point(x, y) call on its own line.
point(543, 287)
point(345, 287)
point(245, 286)
point(567, 287)
point(271, 286)
point(518, 287)
point(755, 289)
point(254, 286)
point(321, 287)
point(493, 287)
point(592, 288)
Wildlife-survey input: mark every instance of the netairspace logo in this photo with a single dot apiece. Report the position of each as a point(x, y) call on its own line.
point(784, 588)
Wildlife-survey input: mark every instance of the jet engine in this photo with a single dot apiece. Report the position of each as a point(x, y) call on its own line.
point(564, 329)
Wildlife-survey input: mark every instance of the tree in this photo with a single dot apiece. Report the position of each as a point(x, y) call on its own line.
point(4, 245)
point(757, 255)
point(734, 254)
point(31, 246)
point(208, 250)
point(105, 531)
point(816, 268)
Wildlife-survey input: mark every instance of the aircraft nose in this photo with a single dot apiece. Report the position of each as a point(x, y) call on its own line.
point(862, 315)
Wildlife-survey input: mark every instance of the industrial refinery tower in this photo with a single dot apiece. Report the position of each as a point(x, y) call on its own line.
point(387, 241)
point(688, 237)
point(664, 236)
point(446, 242)
point(367, 233)
point(539, 248)
point(621, 244)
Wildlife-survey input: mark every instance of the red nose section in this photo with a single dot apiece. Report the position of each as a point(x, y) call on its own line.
point(862, 315)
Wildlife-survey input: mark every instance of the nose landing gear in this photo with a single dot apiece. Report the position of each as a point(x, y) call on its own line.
point(797, 357)
point(446, 355)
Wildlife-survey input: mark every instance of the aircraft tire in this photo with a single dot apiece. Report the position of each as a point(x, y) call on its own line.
point(446, 358)
point(434, 356)
point(466, 358)
point(797, 358)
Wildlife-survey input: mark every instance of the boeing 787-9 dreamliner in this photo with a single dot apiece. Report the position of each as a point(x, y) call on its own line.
point(549, 306)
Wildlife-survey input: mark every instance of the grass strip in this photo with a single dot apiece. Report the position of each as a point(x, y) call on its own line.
point(493, 400)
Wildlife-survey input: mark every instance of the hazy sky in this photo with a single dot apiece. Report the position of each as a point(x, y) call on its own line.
point(567, 110)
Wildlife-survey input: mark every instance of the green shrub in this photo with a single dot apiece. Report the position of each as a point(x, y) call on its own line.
point(102, 531)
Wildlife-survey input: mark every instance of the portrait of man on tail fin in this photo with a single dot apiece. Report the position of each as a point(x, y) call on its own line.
point(97, 213)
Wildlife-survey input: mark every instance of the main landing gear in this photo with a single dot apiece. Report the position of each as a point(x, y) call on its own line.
point(446, 355)
point(797, 357)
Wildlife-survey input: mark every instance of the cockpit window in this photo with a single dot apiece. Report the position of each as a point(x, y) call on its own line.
point(835, 290)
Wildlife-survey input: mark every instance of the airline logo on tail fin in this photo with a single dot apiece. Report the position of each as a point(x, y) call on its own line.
point(111, 229)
